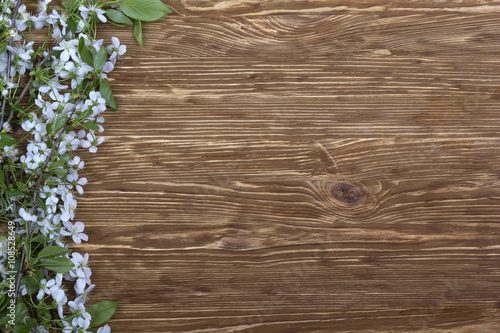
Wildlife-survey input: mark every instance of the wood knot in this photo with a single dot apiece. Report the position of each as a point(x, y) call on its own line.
point(347, 194)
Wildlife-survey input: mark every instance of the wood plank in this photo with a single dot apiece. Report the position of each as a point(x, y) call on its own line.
point(319, 35)
point(267, 7)
point(259, 177)
point(300, 99)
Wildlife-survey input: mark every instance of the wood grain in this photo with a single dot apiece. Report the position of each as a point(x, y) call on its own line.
point(305, 166)
point(320, 35)
point(266, 7)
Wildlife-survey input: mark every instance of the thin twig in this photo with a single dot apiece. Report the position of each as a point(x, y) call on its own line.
point(3, 110)
point(9, 57)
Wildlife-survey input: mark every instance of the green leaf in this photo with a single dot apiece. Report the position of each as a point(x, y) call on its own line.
point(33, 284)
point(30, 324)
point(86, 114)
point(21, 311)
point(6, 140)
point(4, 301)
point(14, 193)
point(100, 58)
point(118, 17)
point(83, 85)
point(62, 159)
point(85, 52)
point(107, 94)
point(3, 47)
point(2, 177)
point(46, 176)
point(3, 323)
point(101, 312)
point(70, 5)
point(93, 51)
point(72, 25)
point(138, 31)
point(144, 10)
point(25, 328)
point(60, 172)
point(52, 251)
point(81, 44)
point(59, 124)
point(39, 239)
point(58, 265)
point(57, 53)
point(91, 125)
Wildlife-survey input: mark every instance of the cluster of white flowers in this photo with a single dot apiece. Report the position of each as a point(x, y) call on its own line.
point(57, 123)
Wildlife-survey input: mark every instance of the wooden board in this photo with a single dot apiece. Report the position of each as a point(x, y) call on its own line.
point(305, 166)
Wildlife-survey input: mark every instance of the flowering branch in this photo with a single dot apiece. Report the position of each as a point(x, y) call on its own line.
point(9, 57)
point(58, 111)
point(37, 188)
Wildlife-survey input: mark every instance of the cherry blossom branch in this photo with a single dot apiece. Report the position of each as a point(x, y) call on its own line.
point(30, 81)
point(39, 183)
point(9, 57)
point(40, 172)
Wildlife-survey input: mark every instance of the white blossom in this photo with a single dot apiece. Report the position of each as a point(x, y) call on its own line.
point(86, 10)
point(75, 231)
point(104, 329)
point(116, 50)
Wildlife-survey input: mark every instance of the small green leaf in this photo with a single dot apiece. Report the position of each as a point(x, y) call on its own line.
point(14, 193)
point(138, 31)
point(3, 47)
point(101, 312)
point(62, 159)
point(52, 251)
point(70, 5)
point(118, 17)
point(100, 58)
point(59, 124)
point(4, 301)
point(93, 51)
point(67, 4)
point(30, 324)
point(46, 177)
point(6, 140)
point(86, 114)
point(4, 322)
point(72, 25)
point(25, 328)
point(57, 53)
point(2, 177)
point(60, 171)
point(144, 10)
point(33, 284)
point(107, 94)
point(85, 52)
point(81, 44)
point(58, 265)
point(21, 311)
point(91, 125)
point(83, 85)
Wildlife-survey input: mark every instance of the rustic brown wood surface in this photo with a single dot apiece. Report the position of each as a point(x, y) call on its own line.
point(302, 166)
